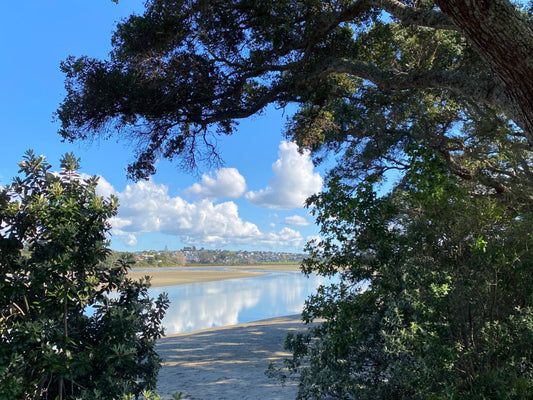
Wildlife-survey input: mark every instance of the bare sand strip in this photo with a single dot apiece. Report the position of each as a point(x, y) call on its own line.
point(166, 277)
point(170, 278)
point(227, 362)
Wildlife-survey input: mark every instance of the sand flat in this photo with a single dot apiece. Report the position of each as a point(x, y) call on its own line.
point(227, 362)
point(169, 277)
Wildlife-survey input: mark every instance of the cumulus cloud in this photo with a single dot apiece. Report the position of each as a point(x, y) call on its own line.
point(313, 238)
point(296, 220)
point(130, 239)
point(293, 181)
point(286, 237)
point(104, 188)
point(228, 183)
point(147, 207)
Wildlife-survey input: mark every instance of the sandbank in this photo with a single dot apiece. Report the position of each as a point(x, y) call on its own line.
point(169, 277)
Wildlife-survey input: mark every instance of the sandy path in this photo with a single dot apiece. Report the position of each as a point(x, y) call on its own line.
point(226, 363)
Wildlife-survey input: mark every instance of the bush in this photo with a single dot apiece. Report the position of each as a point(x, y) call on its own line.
point(63, 336)
point(448, 311)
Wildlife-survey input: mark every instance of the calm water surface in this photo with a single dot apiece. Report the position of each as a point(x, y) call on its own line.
point(234, 301)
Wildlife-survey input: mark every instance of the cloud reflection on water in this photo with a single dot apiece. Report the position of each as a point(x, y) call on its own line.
point(234, 301)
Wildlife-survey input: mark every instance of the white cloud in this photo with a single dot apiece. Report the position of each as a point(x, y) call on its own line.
point(229, 183)
point(296, 220)
point(130, 240)
point(313, 238)
point(104, 188)
point(147, 207)
point(293, 181)
point(286, 237)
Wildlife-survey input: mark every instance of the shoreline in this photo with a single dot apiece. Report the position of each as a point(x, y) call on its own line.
point(225, 362)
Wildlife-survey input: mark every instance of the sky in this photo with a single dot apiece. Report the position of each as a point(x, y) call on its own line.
point(253, 202)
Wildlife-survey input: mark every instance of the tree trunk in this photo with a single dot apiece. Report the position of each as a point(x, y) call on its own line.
point(504, 38)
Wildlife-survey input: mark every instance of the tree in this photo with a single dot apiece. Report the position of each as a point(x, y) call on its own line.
point(186, 70)
point(447, 313)
point(71, 324)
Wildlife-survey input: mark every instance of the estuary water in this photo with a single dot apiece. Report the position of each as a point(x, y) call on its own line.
point(204, 305)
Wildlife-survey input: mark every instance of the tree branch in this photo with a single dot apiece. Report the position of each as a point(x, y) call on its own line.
point(412, 16)
point(504, 38)
point(487, 91)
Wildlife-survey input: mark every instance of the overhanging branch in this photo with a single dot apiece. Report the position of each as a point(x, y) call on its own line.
point(482, 90)
point(430, 18)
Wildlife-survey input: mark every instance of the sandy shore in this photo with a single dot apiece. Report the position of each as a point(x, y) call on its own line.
point(227, 362)
point(166, 277)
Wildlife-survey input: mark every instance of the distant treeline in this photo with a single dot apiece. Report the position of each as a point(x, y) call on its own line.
point(193, 256)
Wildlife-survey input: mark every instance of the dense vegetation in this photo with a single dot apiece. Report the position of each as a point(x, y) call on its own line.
point(433, 96)
point(448, 314)
point(72, 325)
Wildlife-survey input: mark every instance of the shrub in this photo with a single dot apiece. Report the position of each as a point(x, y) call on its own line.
point(63, 336)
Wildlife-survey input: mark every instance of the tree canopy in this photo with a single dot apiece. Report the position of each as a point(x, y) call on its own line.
point(186, 71)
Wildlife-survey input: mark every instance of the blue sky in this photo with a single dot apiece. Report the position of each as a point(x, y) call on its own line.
point(252, 202)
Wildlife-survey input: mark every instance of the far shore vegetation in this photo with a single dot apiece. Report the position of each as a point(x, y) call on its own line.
point(190, 256)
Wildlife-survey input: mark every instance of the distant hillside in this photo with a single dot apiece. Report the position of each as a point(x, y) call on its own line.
point(193, 256)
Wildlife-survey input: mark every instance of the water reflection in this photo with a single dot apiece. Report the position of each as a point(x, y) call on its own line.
point(234, 301)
